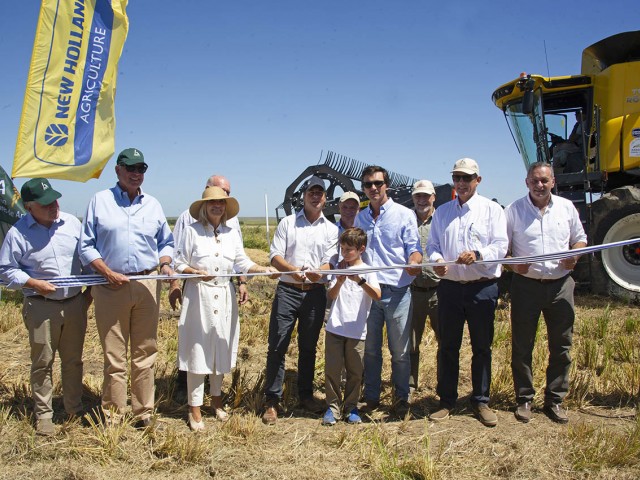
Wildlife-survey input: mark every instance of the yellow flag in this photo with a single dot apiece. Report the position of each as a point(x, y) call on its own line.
point(68, 120)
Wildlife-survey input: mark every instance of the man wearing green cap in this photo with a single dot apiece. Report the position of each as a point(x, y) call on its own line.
point(43, 244)
point(125, 233)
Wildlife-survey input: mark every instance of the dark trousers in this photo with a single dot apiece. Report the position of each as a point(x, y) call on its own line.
point(425, 304)
point(307, 308)
point(476, 303)
point(554, 300)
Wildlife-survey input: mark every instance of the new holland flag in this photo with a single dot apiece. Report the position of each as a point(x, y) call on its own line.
point(68, 121)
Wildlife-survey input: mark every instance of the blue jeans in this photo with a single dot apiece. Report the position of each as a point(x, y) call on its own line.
point(475, 303)
point(394, 311)
point(289, 305)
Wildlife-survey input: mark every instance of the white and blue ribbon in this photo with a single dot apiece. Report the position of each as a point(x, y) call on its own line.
point(89, 280)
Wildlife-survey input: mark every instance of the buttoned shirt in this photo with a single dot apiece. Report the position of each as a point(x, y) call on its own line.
point(304, 244)
point(31, 250)
point(391, 239)
point(129, 236)
point(479, 224)
point(427, 277)
point(532, 232)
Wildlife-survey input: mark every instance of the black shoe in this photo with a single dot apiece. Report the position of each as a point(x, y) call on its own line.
point(401, 408)
point(312, 405)
point(369, 406)
point(556, 413)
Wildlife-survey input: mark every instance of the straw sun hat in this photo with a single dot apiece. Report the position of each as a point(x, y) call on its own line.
point(215, 193)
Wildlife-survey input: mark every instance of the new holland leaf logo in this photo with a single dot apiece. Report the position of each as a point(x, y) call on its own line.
point(56, 134)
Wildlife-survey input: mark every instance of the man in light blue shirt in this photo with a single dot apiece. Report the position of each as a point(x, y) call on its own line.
point(392, 239)
point(125, 232)
point(43, 244)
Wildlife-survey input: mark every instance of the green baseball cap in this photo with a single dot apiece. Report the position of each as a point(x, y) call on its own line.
point(130, 156)
point(39, 190)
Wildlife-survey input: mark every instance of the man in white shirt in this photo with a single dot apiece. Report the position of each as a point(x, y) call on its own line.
point(303, 241)
point(465, 230)
point(540, 223)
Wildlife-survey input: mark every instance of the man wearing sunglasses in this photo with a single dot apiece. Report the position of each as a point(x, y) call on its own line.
point(392, 239)
point(124, 233)
point(465, 230)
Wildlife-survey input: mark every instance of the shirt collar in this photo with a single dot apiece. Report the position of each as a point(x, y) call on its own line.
point(321, 218)
point(121, 193)
point(384, 207)
point(31, 222)
point(530, 202)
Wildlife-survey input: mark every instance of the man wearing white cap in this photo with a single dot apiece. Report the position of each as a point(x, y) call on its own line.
point(424, 286)
point(465, 230)
point(349, 206)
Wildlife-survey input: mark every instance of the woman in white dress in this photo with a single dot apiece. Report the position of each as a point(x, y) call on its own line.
point(209, 327)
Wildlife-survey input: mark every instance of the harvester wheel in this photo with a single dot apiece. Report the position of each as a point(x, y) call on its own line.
point(616, 217)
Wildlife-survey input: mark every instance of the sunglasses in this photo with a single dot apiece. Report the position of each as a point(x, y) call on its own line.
point(139, 168)
point(463, 178)
point(377, 183)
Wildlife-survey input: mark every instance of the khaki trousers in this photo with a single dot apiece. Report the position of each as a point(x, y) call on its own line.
point(342, 353)
point(128, 316)
point(56, 327)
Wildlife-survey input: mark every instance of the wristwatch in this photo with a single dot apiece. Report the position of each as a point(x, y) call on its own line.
point(477, 254)
point(362, 282)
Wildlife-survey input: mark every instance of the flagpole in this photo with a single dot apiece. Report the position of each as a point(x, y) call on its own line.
point(266, 216)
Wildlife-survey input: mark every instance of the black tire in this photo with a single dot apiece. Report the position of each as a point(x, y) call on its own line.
point(616, 216)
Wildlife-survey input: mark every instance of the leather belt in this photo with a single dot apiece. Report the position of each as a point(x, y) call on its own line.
point(143, 272)
point(303, 287)
point(62, 300)
point(483, 279)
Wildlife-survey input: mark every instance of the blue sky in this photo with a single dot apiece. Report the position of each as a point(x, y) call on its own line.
point(255, 90)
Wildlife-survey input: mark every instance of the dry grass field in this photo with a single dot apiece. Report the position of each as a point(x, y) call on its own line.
point(602, 439)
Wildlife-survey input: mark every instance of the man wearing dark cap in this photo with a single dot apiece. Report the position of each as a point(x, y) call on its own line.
point(43, 244)
point(303, 241)
point(124, 233)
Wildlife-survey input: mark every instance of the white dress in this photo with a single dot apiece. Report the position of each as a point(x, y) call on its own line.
point(209, 325)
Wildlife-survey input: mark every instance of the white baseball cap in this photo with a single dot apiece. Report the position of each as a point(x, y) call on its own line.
point(350, 196)
point(466, 165)
point(423, 186)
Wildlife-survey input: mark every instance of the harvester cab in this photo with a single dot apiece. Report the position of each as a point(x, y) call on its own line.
point(587, 127)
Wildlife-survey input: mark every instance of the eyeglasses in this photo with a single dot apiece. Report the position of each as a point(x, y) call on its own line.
point(139, 168)
point(463, 178)
point(377, 183)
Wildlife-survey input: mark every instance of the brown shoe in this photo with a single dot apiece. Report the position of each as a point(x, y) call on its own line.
point(270, 415)
point(486, 416)
point(45, 427)
point(440, 415)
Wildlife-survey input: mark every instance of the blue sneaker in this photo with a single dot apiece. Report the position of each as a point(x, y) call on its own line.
point(354, 417)
point(328, 418)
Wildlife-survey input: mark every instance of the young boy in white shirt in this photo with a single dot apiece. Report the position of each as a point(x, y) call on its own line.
point(346, 329)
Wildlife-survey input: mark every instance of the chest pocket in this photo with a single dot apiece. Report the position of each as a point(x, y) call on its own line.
point(479, 233)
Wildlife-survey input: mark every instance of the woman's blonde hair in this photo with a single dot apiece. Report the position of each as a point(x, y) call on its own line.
point(202, 214)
